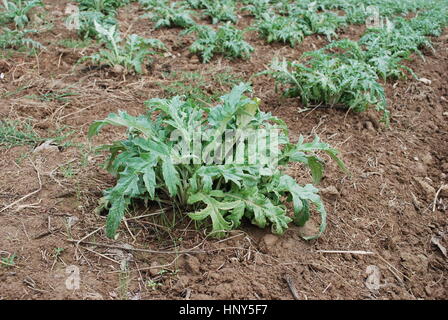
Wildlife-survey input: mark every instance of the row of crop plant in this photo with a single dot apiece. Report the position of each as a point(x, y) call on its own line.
point(347, 73)
point(276, 21)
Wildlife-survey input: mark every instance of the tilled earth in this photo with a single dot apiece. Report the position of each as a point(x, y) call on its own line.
point(387, 229)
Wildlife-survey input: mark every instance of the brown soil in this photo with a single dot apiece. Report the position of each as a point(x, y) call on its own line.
point(386, 206)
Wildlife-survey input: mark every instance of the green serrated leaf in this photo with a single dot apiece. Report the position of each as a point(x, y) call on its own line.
point(214, 210)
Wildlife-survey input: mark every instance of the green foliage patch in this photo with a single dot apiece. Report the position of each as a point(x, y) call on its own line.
point(225, 194)
point(226, 40)
point(129, 54)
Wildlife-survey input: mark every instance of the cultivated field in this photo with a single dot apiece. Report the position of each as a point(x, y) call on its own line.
point(358, 213)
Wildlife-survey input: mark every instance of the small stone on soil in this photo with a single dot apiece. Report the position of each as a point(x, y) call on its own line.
point(426, 187)
point(427, 159)
point(330, 192)
point(269, 240)
point(444, 192)
point(192, 264)
point(369, 126)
